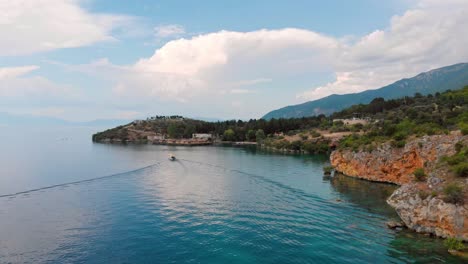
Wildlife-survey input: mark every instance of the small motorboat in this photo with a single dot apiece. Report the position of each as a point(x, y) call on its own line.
point(172, 157)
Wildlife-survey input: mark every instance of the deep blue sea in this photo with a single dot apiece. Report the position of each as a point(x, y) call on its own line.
point(80, 202)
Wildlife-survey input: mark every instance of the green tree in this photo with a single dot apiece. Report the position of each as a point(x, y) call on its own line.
point(172, 131)
point(250, 135)
point(229, 135)
point(260, 135)
point(175, 130)
point(189, 130)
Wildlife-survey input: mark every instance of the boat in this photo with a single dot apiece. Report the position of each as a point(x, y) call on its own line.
point(172, 157)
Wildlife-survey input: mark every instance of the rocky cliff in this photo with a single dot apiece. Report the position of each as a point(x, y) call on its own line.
point(395, 165)
point(429, 214)
point(420, 205)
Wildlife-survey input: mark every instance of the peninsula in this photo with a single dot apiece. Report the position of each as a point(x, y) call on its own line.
point(417, 142)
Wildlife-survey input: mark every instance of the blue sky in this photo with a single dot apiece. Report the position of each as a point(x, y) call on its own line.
point(93, 59)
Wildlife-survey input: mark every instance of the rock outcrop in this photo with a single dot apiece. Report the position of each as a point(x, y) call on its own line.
point(431, 214)
point(413, 202)
point(395, 165)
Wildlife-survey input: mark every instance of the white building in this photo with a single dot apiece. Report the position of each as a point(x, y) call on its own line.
point(156, 137)
point(353, 121)
point(202, 136)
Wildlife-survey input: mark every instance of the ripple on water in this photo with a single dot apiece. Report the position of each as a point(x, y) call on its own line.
point(205, 213)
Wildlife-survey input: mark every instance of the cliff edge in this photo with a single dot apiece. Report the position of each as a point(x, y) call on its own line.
point(421, 204)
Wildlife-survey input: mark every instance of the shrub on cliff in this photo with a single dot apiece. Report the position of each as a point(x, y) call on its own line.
point(453, 193)
point(453, 243)
point(459, 161)
point(398, 143)
point(314, 134)
point(455, 159)
point(295, 145)
point(463, 127)
point(461, 169)
point(419, 174)
point(423, 194)
point(327, 170)
point(399, 136)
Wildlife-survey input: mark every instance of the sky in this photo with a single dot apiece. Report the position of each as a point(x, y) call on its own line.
point(83, 60)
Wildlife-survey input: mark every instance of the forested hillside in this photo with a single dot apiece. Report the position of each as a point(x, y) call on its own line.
point(382, 119)
point(438, 80)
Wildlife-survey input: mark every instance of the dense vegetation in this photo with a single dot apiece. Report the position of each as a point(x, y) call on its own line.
point(232, 130)
point(398, 119)
point(459, 161)
point(394, 120)
point(453, 243)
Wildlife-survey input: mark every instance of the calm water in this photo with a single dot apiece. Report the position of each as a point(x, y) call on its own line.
point(214, 205)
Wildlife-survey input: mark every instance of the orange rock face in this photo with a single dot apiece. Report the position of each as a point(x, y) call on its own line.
point(395, 165)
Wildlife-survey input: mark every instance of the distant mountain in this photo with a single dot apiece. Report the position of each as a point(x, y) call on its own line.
point(10, 119)
point(438, 80)
point(30, 120)
point(104, 122)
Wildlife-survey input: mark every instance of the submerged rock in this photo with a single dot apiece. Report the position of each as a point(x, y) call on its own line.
point(395, 224)
point(459, 253)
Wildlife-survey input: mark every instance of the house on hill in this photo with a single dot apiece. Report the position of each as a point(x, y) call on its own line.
point(156, 137)
point(204, 136)
point(353, 121)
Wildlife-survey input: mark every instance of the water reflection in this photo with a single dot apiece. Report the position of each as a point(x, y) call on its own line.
point(369, 195)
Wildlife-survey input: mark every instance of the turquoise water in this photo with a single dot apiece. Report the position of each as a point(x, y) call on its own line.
point(213, 205)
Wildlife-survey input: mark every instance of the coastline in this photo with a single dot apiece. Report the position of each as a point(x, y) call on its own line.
point(421, 205)
point(388, 164)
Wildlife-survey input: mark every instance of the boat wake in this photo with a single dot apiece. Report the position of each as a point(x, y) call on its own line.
point(78, 182)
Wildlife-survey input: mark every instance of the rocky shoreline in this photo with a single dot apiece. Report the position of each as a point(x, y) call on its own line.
point(429, 215)
point(420, 205)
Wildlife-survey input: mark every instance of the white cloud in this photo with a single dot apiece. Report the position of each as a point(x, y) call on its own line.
point(250, 82)
point(166, 31)
point(240, 91)
point(12, 72)
point(14, 83)
point(33, 26)
point(216, 67)
point(429, 36)
point(184, 68)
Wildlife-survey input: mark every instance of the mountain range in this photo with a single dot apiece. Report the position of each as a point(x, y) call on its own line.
point(438, 80)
